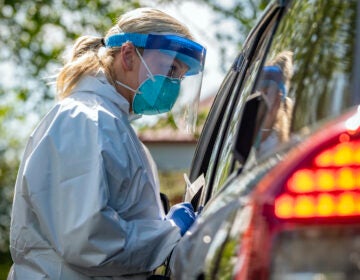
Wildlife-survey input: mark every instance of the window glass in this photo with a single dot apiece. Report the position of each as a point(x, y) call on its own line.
point(215, 150)
point(226, 158)
point(314, 51)
point(218, 137)
point(208, 145)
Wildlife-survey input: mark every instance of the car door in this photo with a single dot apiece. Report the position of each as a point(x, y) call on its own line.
point(214, 154)
point(234, 169)
point(235, 103)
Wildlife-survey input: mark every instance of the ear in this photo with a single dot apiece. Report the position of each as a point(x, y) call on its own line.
point(127, 56)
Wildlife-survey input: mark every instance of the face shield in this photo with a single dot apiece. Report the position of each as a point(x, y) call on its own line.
point(170, 75)
point(271, 82)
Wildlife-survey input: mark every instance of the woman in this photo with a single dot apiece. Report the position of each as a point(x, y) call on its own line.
point(274, 82)
point(87, 202)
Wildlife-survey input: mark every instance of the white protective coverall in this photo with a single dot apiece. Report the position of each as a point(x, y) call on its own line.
point(87, 203)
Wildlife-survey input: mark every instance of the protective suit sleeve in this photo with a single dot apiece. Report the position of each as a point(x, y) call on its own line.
point(88, 200)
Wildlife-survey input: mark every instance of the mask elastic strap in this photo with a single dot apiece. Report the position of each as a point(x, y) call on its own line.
point(151, 76)
point(125, 86)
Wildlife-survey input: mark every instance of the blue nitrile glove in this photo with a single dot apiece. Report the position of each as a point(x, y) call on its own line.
point(183, 216)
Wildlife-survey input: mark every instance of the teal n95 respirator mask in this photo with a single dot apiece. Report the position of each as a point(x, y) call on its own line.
point(156, 95)
point(171, 74)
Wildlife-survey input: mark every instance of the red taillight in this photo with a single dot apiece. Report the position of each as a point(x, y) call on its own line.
point(326, 186)
point(342, 154)
point(319, 205)
point(309, 201)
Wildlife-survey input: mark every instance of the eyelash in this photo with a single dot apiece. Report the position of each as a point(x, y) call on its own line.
point(172, 70)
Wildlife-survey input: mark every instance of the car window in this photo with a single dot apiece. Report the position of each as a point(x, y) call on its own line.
point(217, 133)
point(225, 163)
point(211, 127)
point(304, 79)
point(213, 130)
point(307, 78)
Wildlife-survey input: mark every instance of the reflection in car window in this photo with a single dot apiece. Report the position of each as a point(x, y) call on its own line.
point(225, 163)
point(323, 58)
point(306, 78)
point(273, 84)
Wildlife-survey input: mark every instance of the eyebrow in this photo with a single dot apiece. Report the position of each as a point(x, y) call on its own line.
point(182, 65)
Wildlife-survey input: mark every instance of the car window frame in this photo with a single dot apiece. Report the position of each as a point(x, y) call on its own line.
point(213, 130)
point(273, 18)
point(212, 124)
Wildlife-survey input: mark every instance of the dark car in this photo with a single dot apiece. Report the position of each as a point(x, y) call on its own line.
point(280, 153)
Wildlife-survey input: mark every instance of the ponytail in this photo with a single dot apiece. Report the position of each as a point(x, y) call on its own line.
point(84, 60)
point(87, 60)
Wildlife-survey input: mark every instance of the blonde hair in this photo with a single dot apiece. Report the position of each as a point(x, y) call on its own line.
point(87, 57)
point(283, 119)
point(284, 60)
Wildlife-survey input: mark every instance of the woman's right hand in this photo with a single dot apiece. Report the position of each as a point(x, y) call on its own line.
point(183, 216)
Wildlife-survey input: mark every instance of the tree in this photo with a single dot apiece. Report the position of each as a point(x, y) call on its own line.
point(243, 13)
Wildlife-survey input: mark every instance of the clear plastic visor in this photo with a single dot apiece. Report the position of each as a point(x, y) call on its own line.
point(175, 57)
point(182, 70)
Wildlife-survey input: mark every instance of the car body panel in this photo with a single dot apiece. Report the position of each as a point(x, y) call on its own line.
point(240, 173)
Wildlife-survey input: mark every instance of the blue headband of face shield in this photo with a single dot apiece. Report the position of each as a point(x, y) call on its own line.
point(183, 49)
point(270, 75)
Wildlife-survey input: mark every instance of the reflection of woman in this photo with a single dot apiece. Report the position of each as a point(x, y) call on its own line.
point(274, 83)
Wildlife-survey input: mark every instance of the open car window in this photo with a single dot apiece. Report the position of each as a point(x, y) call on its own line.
point(269, 120)
point(246, 109)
